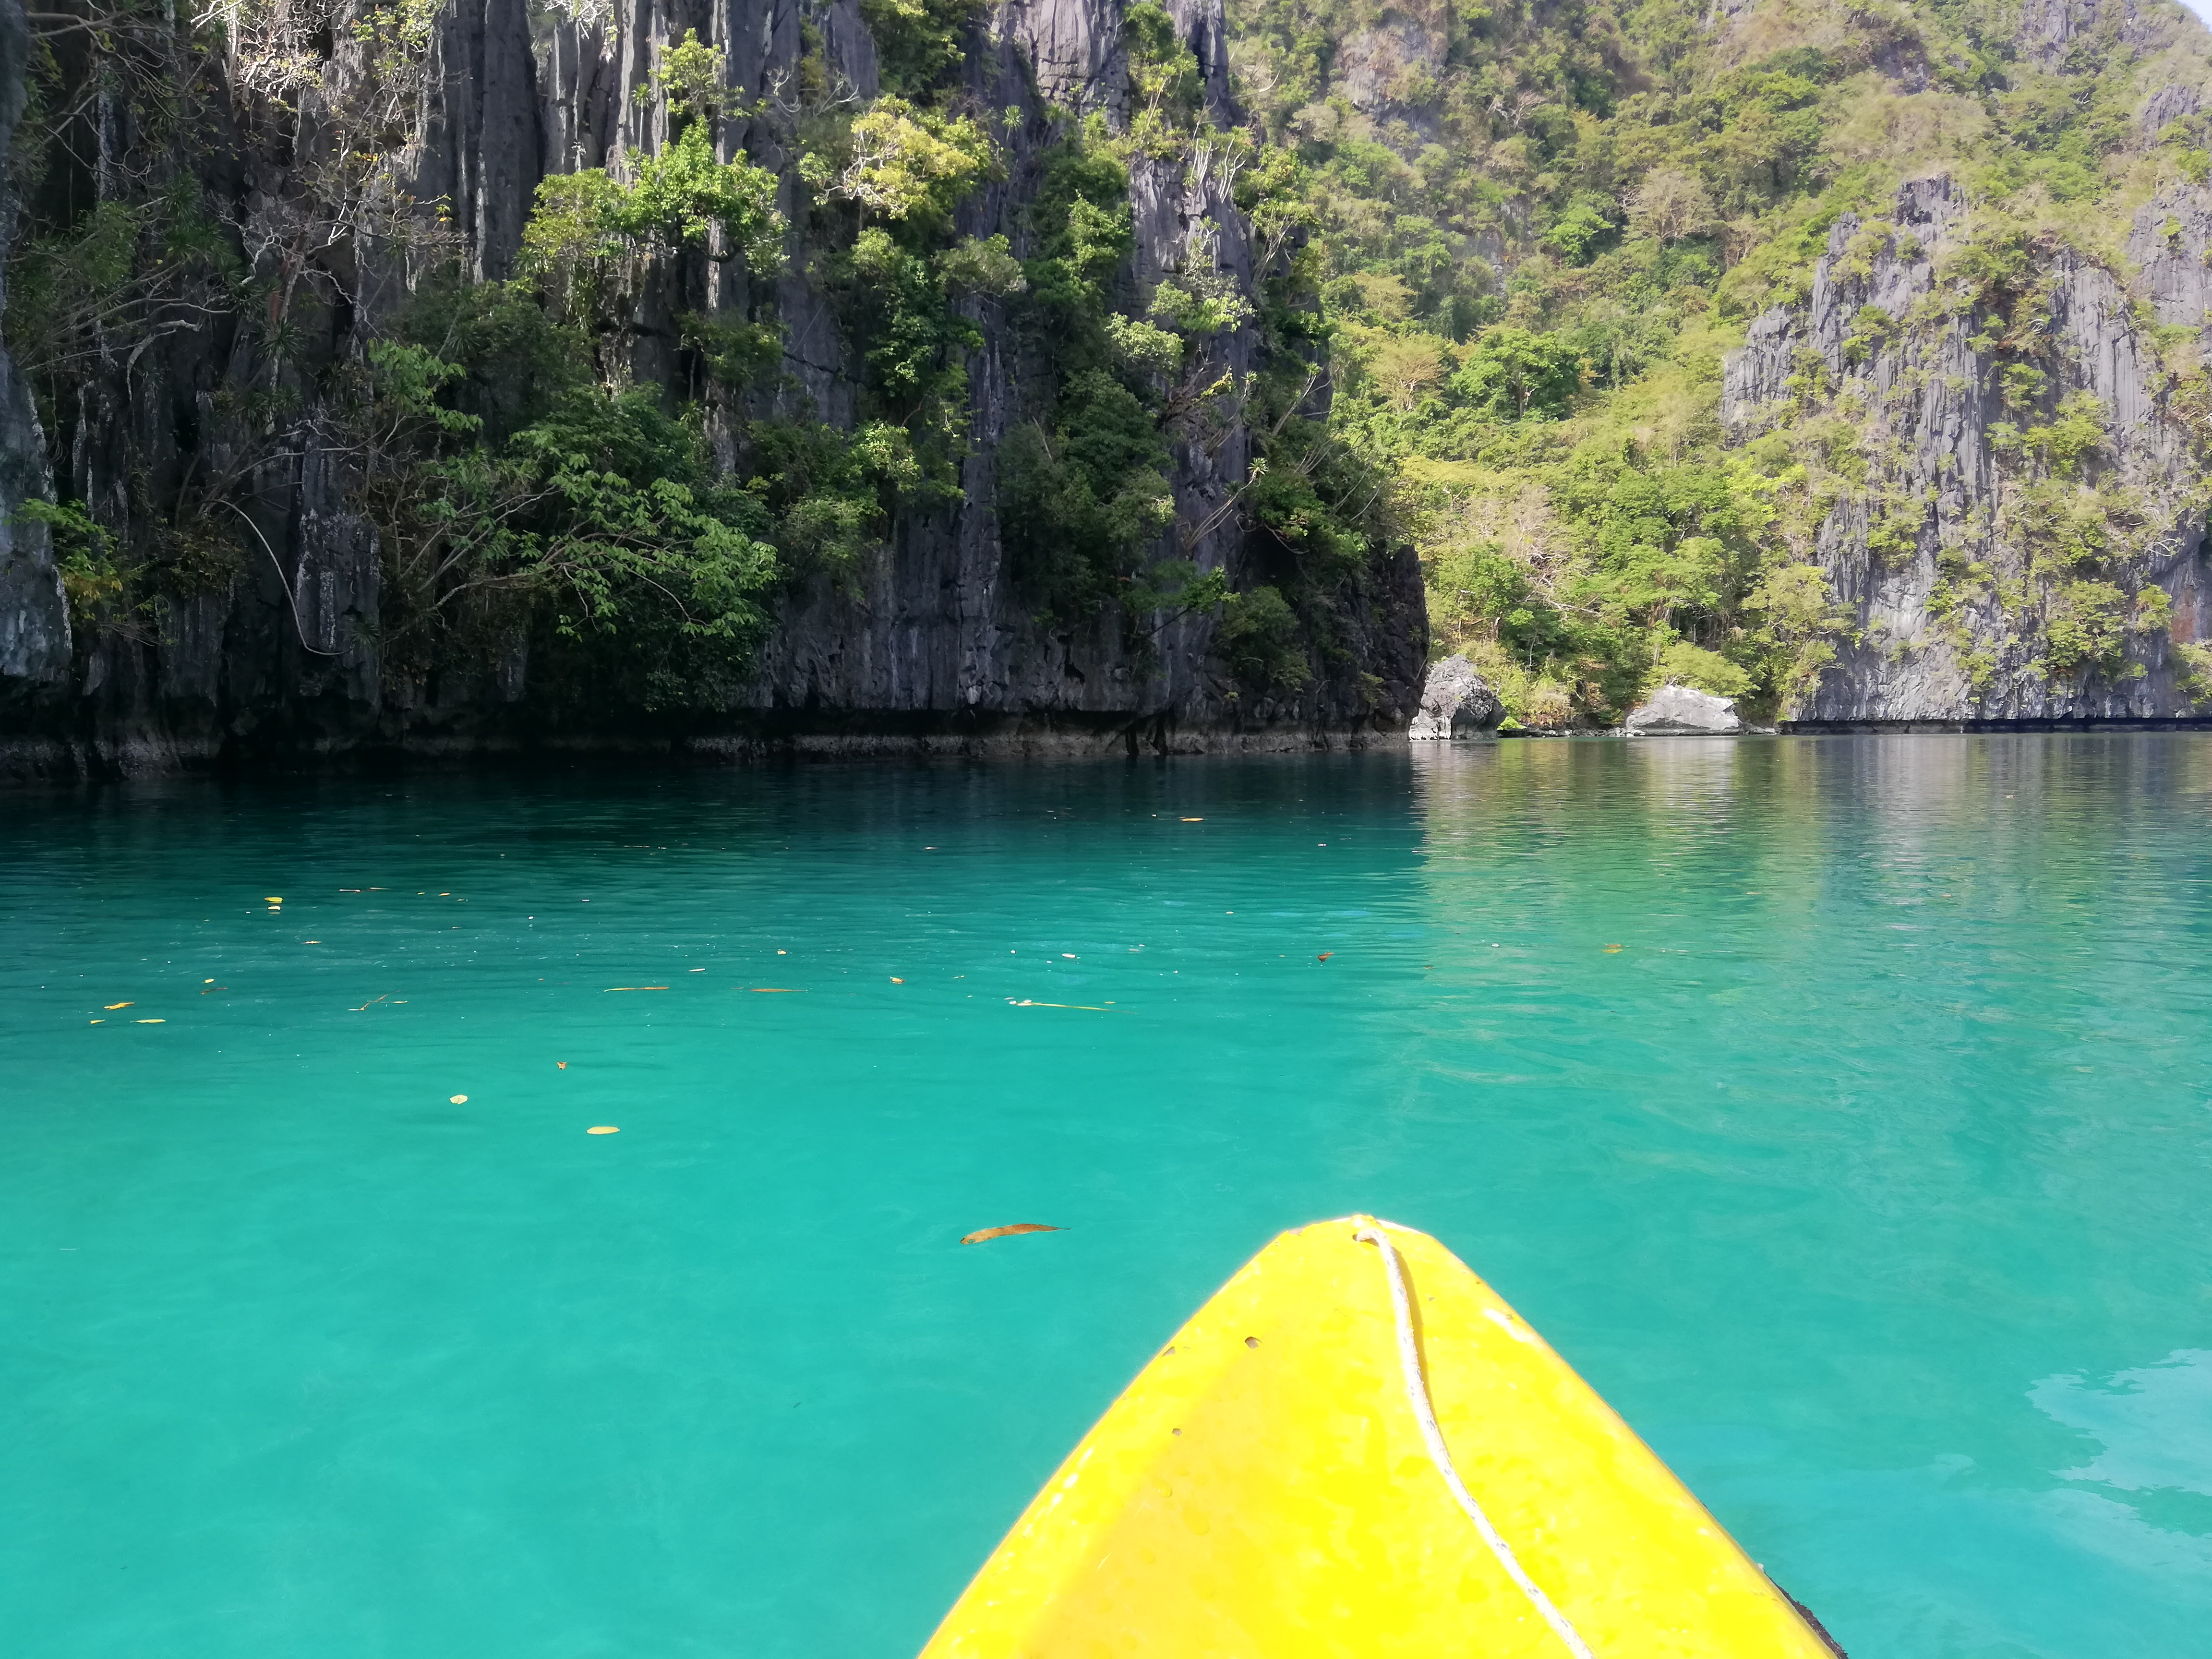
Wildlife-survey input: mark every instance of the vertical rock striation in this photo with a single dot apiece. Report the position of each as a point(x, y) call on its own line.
point(275, 655)
point(2026, 538)
point(35, 633)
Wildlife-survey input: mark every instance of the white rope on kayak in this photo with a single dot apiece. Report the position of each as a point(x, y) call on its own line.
point(1417, 1396)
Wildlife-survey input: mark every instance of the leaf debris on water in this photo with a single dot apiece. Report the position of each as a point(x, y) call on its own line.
point(990, 1233)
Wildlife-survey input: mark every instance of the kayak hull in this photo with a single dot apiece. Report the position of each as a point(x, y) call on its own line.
point(1263, 1489)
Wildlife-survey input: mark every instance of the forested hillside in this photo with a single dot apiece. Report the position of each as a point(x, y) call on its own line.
point(1542, 230)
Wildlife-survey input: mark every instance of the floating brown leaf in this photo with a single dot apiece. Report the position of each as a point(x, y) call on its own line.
point(1324, 955)
point(989, 1233)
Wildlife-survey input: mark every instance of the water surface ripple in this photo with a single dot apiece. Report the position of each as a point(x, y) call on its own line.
point(1840, 1107)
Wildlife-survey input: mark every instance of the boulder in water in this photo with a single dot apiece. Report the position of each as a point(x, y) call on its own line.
point(1679, 710)
point(1456, 702)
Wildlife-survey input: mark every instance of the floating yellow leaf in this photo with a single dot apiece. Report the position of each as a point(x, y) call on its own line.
point(989, 1233)
point(895, 980)
point(151, 1022)
point(774, 990)
point(603, 1129)
point(1193, 820)
point(637, 987)
point(1610, 949)
point(562, 1064)
point(113, 1006)
point(458, 1100)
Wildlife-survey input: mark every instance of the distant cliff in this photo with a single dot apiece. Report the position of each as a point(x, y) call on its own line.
point(1845, 361)
point(289, 516)
point(2029, 541)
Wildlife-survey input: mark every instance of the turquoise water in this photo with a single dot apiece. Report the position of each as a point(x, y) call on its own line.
point(1867, 1177)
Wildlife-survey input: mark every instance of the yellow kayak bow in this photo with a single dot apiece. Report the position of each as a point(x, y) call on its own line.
point(1268, 1488)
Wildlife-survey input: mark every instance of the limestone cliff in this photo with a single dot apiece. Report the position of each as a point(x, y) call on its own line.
point(2027, 540)
point(275, 648)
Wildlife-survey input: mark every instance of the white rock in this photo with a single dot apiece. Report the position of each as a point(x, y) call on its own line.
point(1679, 709)
point(1455, 703)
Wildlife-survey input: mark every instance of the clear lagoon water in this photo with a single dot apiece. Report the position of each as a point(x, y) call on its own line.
point(1841, 1108)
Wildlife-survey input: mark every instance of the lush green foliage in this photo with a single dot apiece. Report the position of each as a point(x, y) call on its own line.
point(590, 224)
point(919, 42)
point(1076, 499)
point(503, 478)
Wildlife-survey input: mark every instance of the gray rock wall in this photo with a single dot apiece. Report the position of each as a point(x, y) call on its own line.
point(34, 632)
point(927, 648)
point(1953, 615)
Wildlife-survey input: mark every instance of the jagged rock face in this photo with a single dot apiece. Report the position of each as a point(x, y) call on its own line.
point(1386, 70)
point(34, 634)
point(928, 645)
point(1684, 711)
point(939, 631)
point(2050, 30)
point(1455, 703)
point(1959, 606)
